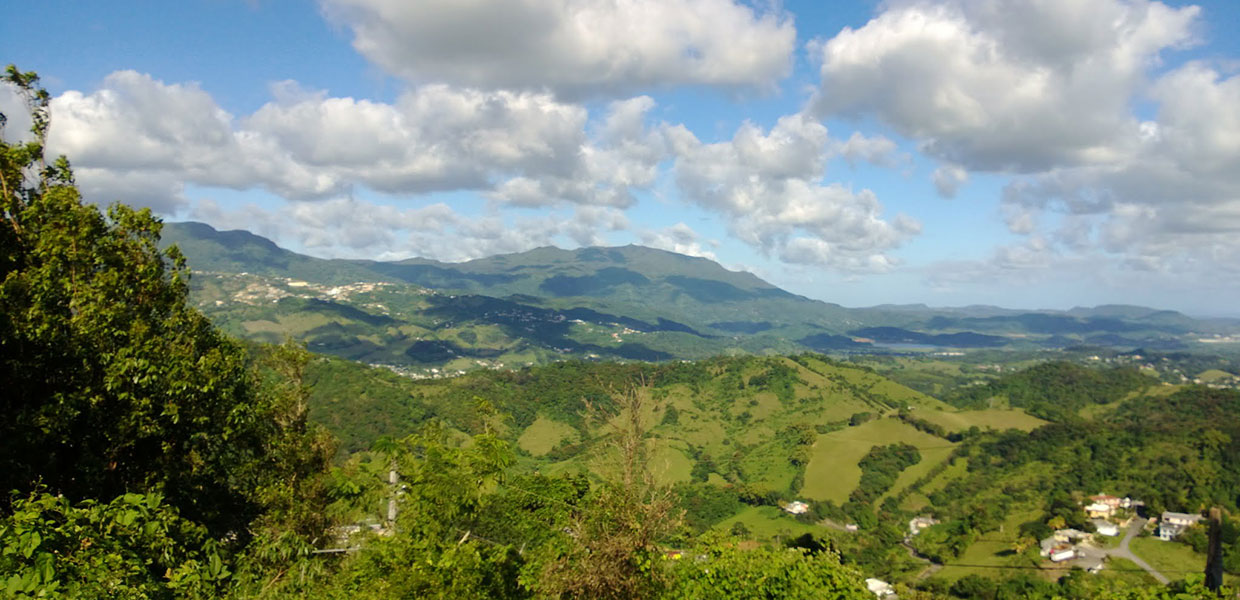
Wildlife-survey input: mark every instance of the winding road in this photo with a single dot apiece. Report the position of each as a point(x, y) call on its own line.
point(1124, 552)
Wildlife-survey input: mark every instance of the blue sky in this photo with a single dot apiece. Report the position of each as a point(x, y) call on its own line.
point(1026, 154)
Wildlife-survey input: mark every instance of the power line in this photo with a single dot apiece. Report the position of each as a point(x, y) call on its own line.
point(1065, 568)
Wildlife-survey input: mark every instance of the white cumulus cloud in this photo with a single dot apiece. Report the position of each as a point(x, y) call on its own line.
point(1002, 85)
point(769, 186)
point(572, 47)
point(140, 139)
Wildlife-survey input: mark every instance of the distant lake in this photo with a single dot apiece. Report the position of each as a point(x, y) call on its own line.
point(907, 346)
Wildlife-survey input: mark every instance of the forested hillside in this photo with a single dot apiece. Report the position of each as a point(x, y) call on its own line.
point(739, 438)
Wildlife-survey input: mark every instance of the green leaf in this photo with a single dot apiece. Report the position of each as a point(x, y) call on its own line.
point(30, 542)
point(45, 564)
point(127, 518)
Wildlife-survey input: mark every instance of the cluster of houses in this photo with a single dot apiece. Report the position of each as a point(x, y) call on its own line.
point(1073, 544)
point(1067, 544)
point(1104, 511)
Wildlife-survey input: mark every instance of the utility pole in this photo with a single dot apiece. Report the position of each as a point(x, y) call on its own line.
point(393, 479)
point(1214, 552)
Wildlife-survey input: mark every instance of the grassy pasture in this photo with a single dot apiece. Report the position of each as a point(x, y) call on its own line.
point(766, 522)
point(545, 434)
point(833, 473)
point(990, 418)
point(1212, 375)
point(993, 549)
point(1172, 559)
point(930, 458)
point(669, 464)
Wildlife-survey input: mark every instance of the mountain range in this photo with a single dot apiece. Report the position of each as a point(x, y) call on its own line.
point(629, 302)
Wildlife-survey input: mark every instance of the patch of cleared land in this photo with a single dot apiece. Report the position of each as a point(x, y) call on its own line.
point(930, 458)
point(1172, 559)
point(942, 479)
point(766, 522)
point(1127, 571)
point(833, 473)
point(1094, 411)
point(544, 434)
point(1212, 375)
point(992, 549)
point(914, 502)
point(669, 465)
point(990, 418)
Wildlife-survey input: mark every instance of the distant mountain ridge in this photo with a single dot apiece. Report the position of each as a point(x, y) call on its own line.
point(634, 281)
point(660, 291)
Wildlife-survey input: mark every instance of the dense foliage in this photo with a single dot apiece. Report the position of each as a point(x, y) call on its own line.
point(879, 469)
point(1055, 391)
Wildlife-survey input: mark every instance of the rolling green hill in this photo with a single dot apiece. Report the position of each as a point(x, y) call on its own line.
point(786, 427)
point(738, 437)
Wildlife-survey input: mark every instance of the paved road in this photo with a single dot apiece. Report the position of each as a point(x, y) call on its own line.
point(1123, 552)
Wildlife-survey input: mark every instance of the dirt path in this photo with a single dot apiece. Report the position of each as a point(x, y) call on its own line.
point(931, 566)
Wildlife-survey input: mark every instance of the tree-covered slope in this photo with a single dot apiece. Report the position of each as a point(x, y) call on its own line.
point(1056, 390)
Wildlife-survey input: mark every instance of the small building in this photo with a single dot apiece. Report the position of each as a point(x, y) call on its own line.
point(1048, 546)
point(1172, 524)
point(1106, 528)
point(1069, 535)
point(851, 527)
point(880, 588)
point(1182, 519)
point(1062, 553)
point(1099, 510)
point(797, 507)
point(1169, 531)
point(917, 524)
point(1112, 501)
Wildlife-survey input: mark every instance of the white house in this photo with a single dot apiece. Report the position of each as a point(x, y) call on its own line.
point(879, 588)
point(797, 507)
point(1169, 531)
point(1172, 524)
point(917, 524)
point(1106, 528)
point(1181, 519)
